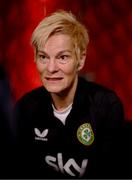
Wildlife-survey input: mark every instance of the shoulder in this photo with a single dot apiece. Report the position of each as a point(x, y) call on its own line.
point(98, 93)
point(104, 102)
point(33, 97)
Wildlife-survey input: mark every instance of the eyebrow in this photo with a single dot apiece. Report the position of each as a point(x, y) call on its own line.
point(59, 53)
point(64, 51)
point(40, 51)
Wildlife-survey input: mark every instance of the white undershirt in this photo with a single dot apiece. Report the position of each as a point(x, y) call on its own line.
point(62, 115)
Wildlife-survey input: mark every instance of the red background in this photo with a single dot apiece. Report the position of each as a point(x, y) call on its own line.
point(109, 60)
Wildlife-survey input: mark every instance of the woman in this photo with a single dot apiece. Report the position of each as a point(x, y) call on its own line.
point(69, 127)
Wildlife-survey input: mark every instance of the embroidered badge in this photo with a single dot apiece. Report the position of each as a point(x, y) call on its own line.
point(85, 134)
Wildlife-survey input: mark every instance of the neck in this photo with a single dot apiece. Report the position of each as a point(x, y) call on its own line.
point(65, 98)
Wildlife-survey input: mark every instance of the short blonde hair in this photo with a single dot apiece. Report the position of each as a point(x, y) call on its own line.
point(61, 22)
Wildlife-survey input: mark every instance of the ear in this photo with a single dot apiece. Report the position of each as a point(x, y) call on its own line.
point(81, 61)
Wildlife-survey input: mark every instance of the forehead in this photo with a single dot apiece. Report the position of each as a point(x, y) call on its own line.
point(58, 41)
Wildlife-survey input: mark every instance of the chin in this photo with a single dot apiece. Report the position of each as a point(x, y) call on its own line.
point(54, 89)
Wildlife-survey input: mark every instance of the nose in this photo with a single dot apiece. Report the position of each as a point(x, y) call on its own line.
point(52, 66)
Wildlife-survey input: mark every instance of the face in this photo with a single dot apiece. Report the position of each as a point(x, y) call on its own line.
point(57, 64)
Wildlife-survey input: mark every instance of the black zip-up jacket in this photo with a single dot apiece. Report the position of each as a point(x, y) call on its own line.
point(87, 146)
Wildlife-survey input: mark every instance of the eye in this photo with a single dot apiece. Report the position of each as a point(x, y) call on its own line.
point(63, 58)
point(42, 58)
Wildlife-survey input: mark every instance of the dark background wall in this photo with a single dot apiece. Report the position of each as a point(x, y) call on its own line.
point(109, 60)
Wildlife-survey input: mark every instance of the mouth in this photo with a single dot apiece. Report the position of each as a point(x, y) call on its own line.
point(53, 79)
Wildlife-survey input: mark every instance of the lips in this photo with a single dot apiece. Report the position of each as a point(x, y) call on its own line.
point(53, 78)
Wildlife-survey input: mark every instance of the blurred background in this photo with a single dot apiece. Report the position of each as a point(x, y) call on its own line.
point(109, 58)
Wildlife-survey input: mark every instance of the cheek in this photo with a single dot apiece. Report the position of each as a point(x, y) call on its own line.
point(70, 69)
point(40, 67)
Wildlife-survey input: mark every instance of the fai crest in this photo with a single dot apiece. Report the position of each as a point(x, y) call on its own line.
point(85, 134)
